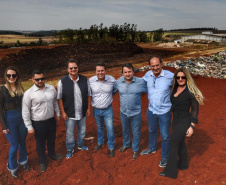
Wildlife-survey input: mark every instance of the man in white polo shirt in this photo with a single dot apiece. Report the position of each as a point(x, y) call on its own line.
point(39, 104)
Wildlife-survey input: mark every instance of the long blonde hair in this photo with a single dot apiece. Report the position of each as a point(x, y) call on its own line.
point(19, 87)
point(190, 83)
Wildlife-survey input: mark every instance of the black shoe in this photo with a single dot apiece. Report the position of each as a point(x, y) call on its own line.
point(162, 174)
point(14, 174)
point(42, 167)
point(56, 157)
point(112, 152)
point(135, 155)
point(183, 168)
point(25, 167)
point(123, 149)
point(98, 147)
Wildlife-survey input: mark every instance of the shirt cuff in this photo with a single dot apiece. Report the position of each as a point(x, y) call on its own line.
point(29, 127)
point(58, 114)
point(194, 120)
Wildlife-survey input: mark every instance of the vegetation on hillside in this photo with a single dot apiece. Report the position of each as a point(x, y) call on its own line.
point(21, 44)
point(41, 33)
point(99, 33)
point(8, 32)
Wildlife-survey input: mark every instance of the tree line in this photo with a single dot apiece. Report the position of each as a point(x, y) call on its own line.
point(115, 33)
point(96, 33)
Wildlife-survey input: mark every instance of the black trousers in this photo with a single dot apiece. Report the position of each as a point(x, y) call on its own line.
point(45, 131)
point(177, 150)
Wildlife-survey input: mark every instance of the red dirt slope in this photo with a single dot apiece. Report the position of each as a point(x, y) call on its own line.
point(206, 151)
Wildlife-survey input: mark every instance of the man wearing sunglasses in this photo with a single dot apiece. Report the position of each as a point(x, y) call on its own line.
point(38, 106)
point(72, 93)
point(159, 83)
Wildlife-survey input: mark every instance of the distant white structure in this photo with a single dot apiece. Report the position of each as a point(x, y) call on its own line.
point(207, 36)
point(207, 32)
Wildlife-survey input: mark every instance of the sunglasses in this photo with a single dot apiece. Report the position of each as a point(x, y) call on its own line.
point(11, 75)
point(73, 68)
point(182, 77)
point(38, 79)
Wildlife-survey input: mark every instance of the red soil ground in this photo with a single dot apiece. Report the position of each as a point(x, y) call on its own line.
point(206, 151)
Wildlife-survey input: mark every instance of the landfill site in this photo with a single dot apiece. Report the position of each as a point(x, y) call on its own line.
point(206, 148)
point(212, 66)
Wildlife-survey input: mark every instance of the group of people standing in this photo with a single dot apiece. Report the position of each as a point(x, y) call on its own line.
point(33, 112)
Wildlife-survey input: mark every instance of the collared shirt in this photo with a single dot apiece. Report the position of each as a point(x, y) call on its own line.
point(39, 104)
point(130, 95)
point(101, 92)
point(159, 90)
point(77, 97)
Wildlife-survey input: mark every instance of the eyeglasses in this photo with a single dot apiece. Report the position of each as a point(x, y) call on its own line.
point(182, 77)
point(38, 79)
point(11, 75)
point(154, 82)
point(73, 68)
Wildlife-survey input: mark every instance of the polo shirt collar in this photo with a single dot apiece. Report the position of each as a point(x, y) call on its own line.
point(72, 79)
point(105, 79)
point(35, 88)
point(161, 74)
point(133, 80)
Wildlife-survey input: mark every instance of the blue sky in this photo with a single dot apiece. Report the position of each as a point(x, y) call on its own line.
point(147, 14)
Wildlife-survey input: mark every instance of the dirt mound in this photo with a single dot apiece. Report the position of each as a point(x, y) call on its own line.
point(87, 54)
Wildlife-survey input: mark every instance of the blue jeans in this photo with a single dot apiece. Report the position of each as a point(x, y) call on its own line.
point(101, 116)
point(135, 122)
point(164, 121)
point(17, 139)
point(70, 132)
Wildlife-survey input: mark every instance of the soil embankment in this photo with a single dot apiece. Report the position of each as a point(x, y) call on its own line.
point(206, 148)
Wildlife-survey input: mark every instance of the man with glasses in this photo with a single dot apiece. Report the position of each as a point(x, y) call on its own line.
point(101, 87)
point(73, 97)
point(130, 89)
point(159, 83)
point(38, 106)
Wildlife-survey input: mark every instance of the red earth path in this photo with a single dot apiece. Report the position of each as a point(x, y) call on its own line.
point(206, 151)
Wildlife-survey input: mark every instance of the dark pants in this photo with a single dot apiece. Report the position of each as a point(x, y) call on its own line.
point(177, 149)
point(45, 131)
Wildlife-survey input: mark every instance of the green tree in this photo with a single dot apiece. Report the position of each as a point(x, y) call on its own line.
point(158, 34)
point(102, 31)
point(80, 35)
point(40, 42)
point(69, 35)
point(113, 31)
point(18, 44)
point(143, 37)
point(93, 33)
point(133, 31)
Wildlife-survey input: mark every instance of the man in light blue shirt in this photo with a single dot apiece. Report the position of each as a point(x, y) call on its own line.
point(101, 87)
point(130, 89)
point(159, 83)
